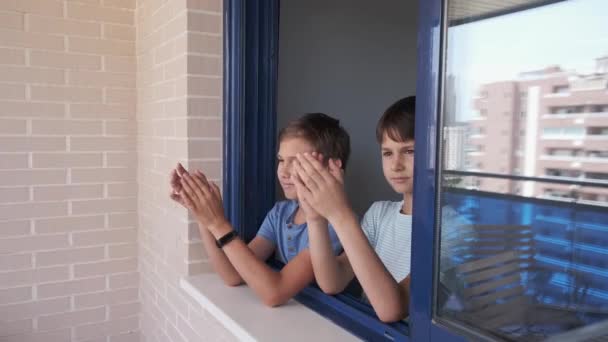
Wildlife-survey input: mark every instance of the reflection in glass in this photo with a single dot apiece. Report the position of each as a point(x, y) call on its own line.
point(524, 223)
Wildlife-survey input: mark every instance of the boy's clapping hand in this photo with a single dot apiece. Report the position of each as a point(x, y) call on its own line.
point(321, 187)
point(201, 197)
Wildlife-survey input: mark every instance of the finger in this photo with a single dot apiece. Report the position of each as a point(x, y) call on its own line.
point(191, 188)
point(304, 176)
point(336, 171)
point(188, 202)
point(180, 169)
point(317, 166)
point(201, 182)
point(304, 160)
point(301, 189)
point(216, 189)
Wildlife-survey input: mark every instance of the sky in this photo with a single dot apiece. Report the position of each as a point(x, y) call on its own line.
point(570, 34)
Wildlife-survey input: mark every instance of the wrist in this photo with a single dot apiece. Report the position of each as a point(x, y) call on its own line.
point(220, 229)
point(342, 217)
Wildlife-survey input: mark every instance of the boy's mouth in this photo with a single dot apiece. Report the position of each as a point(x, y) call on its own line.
point(400, 179)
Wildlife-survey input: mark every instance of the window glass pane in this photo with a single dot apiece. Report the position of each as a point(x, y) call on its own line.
point(523, 212)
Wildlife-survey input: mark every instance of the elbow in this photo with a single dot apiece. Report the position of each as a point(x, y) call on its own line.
point(393, 315)
point(232, 281)
point(330, 289)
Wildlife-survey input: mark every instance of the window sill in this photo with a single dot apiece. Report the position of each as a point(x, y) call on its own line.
point(242, 313)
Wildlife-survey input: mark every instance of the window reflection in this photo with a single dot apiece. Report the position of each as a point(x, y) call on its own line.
point(525, 168)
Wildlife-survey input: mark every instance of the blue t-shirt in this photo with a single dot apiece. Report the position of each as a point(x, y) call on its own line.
point(289, 238)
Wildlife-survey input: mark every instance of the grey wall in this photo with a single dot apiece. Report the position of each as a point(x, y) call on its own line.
point(350, 59)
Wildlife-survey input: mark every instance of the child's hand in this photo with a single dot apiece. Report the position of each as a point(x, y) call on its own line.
point(321, 188)
point(176, 186)
point(310, 214)
point(203, 198)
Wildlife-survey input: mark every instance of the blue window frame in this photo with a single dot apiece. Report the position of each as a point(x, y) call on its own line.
point(250, 79)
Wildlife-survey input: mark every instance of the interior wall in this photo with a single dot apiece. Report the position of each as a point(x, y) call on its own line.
point(350, 59)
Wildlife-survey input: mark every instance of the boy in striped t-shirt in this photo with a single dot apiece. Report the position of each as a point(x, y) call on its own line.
point(377, 250)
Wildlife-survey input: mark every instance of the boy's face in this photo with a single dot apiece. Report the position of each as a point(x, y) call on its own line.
point(398, 164)
point(288, 149)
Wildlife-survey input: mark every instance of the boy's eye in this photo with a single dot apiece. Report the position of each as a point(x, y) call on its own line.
point(386, 154)
point(411, 151)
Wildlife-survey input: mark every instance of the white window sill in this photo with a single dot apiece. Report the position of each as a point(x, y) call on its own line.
point(243, 314)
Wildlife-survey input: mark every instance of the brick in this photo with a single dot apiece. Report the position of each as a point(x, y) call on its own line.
point(12, 92)
point(70, 61)
point(101, 46)
point(13, 160)
point(32, 109)
point(124, 310)
point(105, 267)
point(15, 262)
point(66, 192)
point(102, 175)
point(12, 127)
point(121, 159)
point(122, 127)
point(20, 74)
point(205, 149)
point(47, 7)
point(66, 94)
point(103, 111)
point(65, 160)
point(31, 277)
point(69, 224)
point(129, 4)
point(102, 144)
point(200, 127)
point(12, 56)
point(14, 228)
point(122, 95)
point(98, 13)
point(111, 327)
point(11, 20)
point(127, 337)
point(14, 195)
point(204, 86)
point(45, 24)
point(101, 79)
point(33, 243)
point(32, 177)
point(68, 288)
point(15, 295)
point(12, 38)
point(202, 43)
point(106, 298)
point(203, 22)
point(122, 190)
point(67, 127)
point(47, 336)
point(122, 220)
point(15, 327)
point(31, 144)
point(104, 206)
point(202, 65)
point(119, 64)
point(32, 210)
point(124, 280)
point(104, 237)
point(69, 256)
point(71, 319)
point(123, 251)
point(120, 32)
point(204, 107)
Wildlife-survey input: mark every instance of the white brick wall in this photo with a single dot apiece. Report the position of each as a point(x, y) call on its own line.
point(68, 269)
point(179, 119)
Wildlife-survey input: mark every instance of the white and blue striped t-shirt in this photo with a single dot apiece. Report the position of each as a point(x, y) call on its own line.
point(390, 234)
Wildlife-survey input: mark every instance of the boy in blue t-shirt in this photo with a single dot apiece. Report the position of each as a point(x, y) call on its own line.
point(285, 228)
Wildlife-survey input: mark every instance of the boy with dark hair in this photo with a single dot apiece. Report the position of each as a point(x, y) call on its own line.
point(285, 228)
point(377, 250)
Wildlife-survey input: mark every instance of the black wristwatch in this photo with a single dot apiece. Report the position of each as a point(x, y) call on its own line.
point(224, 240)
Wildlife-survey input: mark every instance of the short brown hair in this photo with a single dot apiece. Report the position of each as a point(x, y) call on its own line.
point(398, 121)
point(323, 132)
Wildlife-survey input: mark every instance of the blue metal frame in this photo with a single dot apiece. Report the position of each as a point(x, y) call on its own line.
point(250, 72)
point(424, 237)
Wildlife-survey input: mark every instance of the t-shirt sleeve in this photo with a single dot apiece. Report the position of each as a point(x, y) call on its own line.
point(369, 224)
point(268, 228)
point(336, 246)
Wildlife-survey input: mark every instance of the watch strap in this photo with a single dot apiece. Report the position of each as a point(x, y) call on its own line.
point(224, 240)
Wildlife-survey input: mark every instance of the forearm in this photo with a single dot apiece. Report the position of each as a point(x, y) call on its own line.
point(331, 276)
point(220, 262)
point(383, 292)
